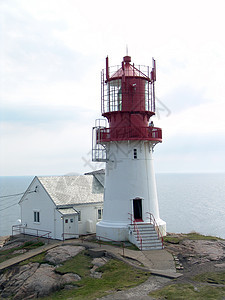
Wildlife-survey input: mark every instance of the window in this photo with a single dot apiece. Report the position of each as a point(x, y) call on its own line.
point(100, 212)
point(66, 220)
point(71, 220)
point(37, 216)
point(135, 153)
point(79, 215)
point(115, 95)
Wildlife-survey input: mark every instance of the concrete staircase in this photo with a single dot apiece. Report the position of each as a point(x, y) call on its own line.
point(145, 235)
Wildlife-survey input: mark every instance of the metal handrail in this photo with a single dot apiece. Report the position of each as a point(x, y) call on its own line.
point(104, 238)
point(19, 227)
point(125, 132)
point(156, 226)
point(133, 222)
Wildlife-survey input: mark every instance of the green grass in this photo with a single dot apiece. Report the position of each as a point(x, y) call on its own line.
point(198, 236)
point(172, 239)
point(80, 264)
point(211, 277)
point(40, 258)
point(188, 291)
point(117, 244)
point(116, 275)
point(190, 236)
point(7, 254)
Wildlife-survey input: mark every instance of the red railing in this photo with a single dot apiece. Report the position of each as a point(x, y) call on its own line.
point(133, 222)
point(154, 223)
point(22, 230)
point(129, 133)
point(102, 239)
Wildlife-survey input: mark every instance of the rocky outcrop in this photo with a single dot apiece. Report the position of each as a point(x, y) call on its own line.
point(98, 262)
point(41, 283)
point(36, 280)
point(195, 255)
point(12, 281)
point(62, 253)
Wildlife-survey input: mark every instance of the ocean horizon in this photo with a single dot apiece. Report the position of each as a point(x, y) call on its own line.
point(187, 202)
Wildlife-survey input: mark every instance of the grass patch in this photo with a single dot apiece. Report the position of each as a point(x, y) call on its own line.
point(190, 236)
point(79, 264)
point(172, 239)
point(40, 258)
point(31, 245)
point(126, 245)
point(7, 254)
point(116, 275)
point(211, 277)
point(188, 291)
point(198, 236)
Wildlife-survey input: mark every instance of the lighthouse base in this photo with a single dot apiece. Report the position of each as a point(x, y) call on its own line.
point(112, 231)
point(162, 226)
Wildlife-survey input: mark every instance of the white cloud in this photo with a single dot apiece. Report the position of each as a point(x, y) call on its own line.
point(54, 51)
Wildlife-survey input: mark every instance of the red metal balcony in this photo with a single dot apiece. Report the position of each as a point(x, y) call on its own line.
point(128, 133)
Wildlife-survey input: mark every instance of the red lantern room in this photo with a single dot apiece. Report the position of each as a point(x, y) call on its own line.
point(128, 102)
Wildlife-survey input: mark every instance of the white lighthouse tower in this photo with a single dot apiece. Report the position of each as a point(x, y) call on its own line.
point(126, 145)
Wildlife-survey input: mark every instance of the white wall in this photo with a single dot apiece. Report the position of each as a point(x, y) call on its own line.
point(89, 217)
point(39, 201)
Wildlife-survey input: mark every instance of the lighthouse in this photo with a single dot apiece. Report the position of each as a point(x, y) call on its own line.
point(125, 140)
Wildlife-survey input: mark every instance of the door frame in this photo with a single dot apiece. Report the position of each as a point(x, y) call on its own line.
point(137, 209)
point(67, 235)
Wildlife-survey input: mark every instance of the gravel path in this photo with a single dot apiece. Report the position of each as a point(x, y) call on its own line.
point(140, 292)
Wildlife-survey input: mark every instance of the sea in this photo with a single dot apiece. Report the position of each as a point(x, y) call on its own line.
point(187, 202)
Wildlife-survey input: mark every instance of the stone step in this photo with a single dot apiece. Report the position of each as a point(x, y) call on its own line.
point(143, 226)
point(149, 236)
point(146, 236)
point(150, 242)
point(152, 248)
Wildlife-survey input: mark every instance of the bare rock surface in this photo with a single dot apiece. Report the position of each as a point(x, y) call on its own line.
point(35, 280)
point(62, 253)
point(100, 261)
point(12, 281)
point(70, 277)
point(197, 253)
point(209, 250)
point(41, 283)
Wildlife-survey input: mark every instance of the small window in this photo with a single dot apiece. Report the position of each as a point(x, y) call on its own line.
point(71, 220)
point(135, 153)
point(79, 216)
point(36, 216)
point(66, 220)
point(100, 212)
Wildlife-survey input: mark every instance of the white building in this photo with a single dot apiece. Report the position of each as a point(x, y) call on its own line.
point(65, 206)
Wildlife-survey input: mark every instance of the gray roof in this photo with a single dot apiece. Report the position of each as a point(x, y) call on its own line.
point(99, 175)
point(70, 190)
point(67, 211)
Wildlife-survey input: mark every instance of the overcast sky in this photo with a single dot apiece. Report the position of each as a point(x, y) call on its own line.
point(51, 56)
